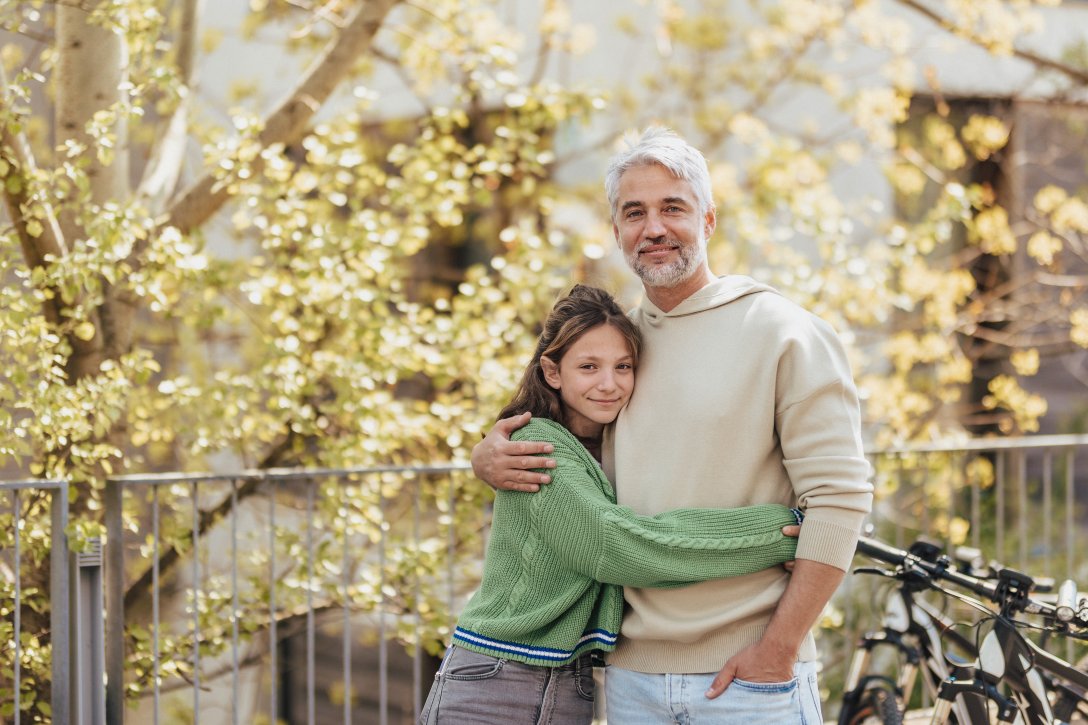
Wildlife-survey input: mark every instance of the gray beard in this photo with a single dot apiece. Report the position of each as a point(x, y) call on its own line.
point(667, 275)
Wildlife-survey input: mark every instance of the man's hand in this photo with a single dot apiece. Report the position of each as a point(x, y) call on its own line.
point(759, 662)
point(794, 531)
point(506, 464)
point(771, 659)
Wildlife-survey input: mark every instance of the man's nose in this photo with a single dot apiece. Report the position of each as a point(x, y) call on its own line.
point(655, 227)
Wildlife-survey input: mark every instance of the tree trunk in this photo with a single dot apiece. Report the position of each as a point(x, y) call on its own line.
point(91, 66)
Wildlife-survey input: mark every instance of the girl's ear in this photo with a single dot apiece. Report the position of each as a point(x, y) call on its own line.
point(551, 371)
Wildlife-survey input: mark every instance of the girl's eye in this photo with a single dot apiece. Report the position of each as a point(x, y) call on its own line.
point(625, 366)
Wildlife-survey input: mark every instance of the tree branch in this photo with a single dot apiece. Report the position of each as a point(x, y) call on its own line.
point(1040, 61)
point(289, 121)
point(161, 174)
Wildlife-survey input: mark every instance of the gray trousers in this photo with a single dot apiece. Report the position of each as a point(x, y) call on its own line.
point(475, 688)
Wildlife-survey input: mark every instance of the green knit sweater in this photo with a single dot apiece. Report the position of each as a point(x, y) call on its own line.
point(557, 559)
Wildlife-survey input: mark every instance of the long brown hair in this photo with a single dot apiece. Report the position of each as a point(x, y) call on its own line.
point(583, 309)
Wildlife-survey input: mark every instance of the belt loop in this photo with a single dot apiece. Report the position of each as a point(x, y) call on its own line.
point(442, 664)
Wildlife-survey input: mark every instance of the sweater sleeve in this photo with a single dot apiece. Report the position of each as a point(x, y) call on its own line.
point(594, 536)
point(819, 425)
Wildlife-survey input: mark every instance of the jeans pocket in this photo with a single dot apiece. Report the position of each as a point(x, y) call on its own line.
point(466, 665)
point(770, 688)
point(583, 682)
point(776, 702)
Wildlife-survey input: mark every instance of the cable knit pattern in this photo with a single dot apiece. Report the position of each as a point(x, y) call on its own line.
point(556, 559)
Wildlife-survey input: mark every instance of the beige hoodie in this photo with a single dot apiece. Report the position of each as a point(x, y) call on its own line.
point(741, 398)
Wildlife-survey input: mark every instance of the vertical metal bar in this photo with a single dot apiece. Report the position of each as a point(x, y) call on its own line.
point(1070, 530)
point(310, 601)
point(383, 653)
point(417, 651)
point(1048, 507)
point(113, 501)
point(194, 493)
point(999, 485)
point(59, 602)
point(1022, 505)
point(976, 512)
point(954, 467)
point(272, 637)
point(155, 654)
point(451, 548)
point(234, 640)
point(17, 518)
point(346, 628)
point(921, 487)
point(88, 660)
point(901, 486)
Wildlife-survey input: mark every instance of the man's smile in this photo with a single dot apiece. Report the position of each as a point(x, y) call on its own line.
point(657, 251)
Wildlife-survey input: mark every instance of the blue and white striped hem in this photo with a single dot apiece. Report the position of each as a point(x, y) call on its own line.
point(540, 654)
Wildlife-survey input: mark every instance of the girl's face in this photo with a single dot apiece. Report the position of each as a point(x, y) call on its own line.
point(594, 378)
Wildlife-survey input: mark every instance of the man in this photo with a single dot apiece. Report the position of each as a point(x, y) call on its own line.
point(741, 398)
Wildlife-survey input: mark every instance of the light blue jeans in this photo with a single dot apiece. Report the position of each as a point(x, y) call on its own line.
point(639, 698)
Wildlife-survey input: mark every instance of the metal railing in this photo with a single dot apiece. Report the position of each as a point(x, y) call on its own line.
point(210, 576)
point(1000, 495)
point(1016, 500)
point(365, 522)
point(19, 493)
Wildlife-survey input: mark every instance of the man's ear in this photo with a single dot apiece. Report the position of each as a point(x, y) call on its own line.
point(551, 371)
point(710, 221)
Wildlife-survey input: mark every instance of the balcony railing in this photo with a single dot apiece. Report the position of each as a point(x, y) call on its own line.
point(234, 598)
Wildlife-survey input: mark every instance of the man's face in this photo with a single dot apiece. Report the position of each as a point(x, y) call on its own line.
point(659, 226)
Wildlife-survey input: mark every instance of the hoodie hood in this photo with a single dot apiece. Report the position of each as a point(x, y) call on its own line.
point(721, 291)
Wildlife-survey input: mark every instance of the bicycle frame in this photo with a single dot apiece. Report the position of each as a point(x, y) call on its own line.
point(1029, 685)
point(1004, 657)
point(914, 628)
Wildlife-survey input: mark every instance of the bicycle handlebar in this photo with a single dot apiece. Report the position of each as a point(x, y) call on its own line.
point(994, 592)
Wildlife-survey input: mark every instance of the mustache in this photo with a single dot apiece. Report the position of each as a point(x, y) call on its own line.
point(647, 243)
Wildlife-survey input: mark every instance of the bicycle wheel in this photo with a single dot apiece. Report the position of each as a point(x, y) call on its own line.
point(875, 705)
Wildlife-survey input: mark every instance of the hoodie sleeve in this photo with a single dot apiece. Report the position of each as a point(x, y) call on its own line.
point(818, 421)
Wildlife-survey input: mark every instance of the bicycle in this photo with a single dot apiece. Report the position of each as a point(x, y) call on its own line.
point(1026, 683)
point(915, 632)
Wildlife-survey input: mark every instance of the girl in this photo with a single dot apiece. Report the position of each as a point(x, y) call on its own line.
point(551, 594)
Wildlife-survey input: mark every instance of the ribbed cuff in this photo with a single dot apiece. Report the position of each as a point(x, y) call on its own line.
point(827, 542)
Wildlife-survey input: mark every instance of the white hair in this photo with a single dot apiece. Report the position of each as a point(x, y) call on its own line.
point(660, 145)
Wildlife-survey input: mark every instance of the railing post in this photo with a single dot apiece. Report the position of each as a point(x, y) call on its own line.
point(115, 604)
point(88, 644)
point(59, 602)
